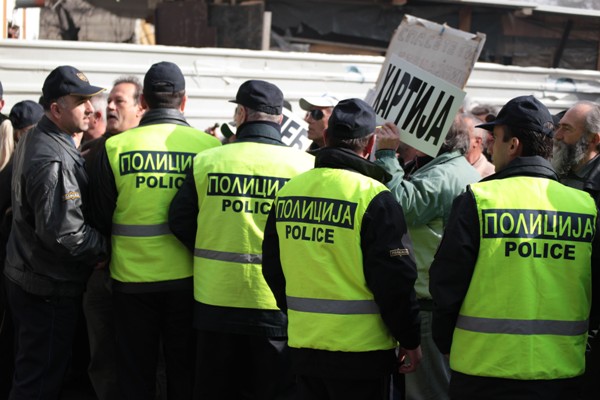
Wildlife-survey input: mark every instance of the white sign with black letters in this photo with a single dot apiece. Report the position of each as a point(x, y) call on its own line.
point(421, 104)
point(294, 131)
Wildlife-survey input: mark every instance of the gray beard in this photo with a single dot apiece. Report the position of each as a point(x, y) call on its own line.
point(565, 157)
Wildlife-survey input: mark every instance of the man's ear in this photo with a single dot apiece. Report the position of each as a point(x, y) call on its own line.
point(55, 110)
point(143, 102)
point(369, 147)
point(516, 147)
point(183, 102)
point(595, 140)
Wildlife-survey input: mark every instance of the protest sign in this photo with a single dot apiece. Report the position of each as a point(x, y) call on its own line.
point(294, 131)
point(421, 80)
point(422, 105)
point(445, 52)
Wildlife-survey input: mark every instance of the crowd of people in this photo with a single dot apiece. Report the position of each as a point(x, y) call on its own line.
point(361, 268)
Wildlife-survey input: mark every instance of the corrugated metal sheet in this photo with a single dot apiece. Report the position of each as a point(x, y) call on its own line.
point(213, 75)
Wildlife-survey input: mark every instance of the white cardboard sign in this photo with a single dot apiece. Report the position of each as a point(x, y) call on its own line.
point(422, 105)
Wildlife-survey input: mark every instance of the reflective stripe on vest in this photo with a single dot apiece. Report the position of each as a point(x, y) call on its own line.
point(522, 326)
point(530, 293)
point(332, 306)
point(228, 256)
point(141, 230)
point(236, 186)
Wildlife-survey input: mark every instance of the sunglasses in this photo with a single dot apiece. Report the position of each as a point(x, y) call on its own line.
point(317, 115)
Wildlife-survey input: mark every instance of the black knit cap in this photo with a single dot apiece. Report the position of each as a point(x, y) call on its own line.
point(260, 96)
point(67, 80)
point(164, 77)
point(25, 113)
point(351, 119)
point(525, 112)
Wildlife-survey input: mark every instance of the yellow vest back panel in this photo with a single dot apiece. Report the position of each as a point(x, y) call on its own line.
point(149, 165)
point(236, 186)
point(525, 313)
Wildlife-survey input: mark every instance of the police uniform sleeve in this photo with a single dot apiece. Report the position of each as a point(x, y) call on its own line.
point(452, 268)
point(595, 311)
point(271, 263)
point(183, 212)
point(390, 271)
point(103, 193)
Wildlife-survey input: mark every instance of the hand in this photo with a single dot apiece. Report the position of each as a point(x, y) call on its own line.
point(388, 137)
point(409, 360)
point(212, 130)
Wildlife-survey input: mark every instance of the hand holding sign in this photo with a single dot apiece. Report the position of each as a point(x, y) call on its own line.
point(388, 137)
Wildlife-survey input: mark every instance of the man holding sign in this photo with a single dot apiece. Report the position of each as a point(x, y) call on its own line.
point(426, 200)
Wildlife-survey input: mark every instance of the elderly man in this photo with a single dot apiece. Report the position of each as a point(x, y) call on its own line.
point(575, 157)
point(478, 139)
point(318, 109)
point(123, 111)
point(576, 147)
point(512, 278)
point(426, 198)
point(51, 249)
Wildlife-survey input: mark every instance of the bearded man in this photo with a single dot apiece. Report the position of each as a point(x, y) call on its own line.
point(576, 147)
point(576, 159)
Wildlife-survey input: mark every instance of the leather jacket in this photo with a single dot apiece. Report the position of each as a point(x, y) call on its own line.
point(52, 249)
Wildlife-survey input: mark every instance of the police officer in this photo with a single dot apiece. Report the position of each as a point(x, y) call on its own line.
point(139, 172)
point(241, 332)
point(336, 256)
point(511, 280)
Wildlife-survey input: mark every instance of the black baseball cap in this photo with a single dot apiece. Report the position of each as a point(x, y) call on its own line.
point(351, 119)
point(25, 113)
point(260, 96)
point(164, 77)
point(524, 112)
point(66, 80)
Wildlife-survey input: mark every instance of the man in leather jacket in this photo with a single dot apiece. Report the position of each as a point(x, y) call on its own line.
point(51, 250)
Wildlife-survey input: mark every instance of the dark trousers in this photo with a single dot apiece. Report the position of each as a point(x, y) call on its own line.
point(7, 342)
point(317, 388)
point(141, 321)
point(233, 366)
point(44, 331)
point(98, 310)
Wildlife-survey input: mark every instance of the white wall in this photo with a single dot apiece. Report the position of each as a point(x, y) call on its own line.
point(213, 75)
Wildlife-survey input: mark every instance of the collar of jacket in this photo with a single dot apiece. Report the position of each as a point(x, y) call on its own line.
point(535, 166)
point(260, 132)
point(47, 126)
point(441, 159)
point(592, 180)
point(163, 116)
point(335, 157)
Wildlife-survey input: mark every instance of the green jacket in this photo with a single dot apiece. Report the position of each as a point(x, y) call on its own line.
point(426, 199)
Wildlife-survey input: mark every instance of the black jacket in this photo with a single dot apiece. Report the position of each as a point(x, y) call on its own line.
point(51, 249)
point(390, 279)
point(451, 272)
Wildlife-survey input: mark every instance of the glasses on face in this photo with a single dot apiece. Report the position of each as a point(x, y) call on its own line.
point(317, 115)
